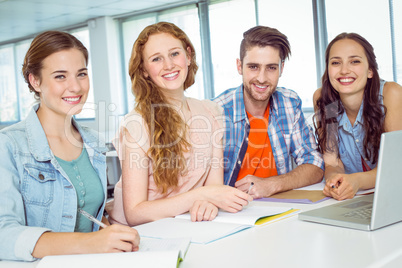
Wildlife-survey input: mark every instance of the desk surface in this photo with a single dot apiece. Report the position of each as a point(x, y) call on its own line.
point(295, 243)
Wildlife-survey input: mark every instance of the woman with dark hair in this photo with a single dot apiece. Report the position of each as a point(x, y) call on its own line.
point(52, 167)
point(170, 146)
point(353, 108)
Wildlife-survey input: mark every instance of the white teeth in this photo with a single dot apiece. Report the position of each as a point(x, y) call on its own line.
point(171, 75)
point(262, 87)
point(71, 99)
point(346, 80)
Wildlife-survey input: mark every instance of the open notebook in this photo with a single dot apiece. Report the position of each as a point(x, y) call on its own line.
point(223, 225)
point(153, 253)
point(376, 210)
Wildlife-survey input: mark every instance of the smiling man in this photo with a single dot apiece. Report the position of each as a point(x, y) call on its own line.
point(265, 126)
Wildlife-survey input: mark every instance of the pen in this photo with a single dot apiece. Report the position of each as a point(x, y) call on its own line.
point(336, 186)
point(91, 218)
point(249, 188)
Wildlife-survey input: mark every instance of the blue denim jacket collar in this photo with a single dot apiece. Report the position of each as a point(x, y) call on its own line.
point(39, 146)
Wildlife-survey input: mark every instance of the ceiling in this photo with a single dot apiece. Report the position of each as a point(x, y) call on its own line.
point(23, 18)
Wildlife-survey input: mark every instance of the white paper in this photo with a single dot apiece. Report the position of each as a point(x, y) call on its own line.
point(205, 232)
point(200, 232)
point(153, 253)
point(249, 215)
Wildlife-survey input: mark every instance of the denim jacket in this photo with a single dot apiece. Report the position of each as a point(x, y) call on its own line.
point(36, 194)
point(351, 149)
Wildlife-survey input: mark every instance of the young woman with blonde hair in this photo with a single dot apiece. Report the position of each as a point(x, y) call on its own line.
point(170, 146)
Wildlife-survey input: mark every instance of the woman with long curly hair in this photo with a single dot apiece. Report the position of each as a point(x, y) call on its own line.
point(353, 108)
point(170, 146)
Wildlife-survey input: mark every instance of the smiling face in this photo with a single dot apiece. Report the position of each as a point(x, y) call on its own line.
point(348, 67)
point(166, 61)
point(64, 82)
point(261, 68)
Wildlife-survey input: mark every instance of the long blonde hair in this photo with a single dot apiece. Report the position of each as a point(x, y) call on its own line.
point(166, 127)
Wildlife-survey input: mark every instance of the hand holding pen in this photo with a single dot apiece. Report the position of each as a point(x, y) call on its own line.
point(332, 184)
point(114, 238)
point(341, 186)
point(337, 184)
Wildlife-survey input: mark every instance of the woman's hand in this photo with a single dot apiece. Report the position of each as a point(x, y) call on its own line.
point(203, 211)
point(225, 197)
point(341, 186)
point(114, 238)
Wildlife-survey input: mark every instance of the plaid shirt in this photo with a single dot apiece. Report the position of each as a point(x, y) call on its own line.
point(288, 132)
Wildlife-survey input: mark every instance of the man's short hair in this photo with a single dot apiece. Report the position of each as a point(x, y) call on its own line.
point(263, 36)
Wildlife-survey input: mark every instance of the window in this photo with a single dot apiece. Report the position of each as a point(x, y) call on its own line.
point(184, 17)
point(15, 98)
point(26, 99)
point(8, 97)
point(299, 73)
point(228, 21)
point(397, 7)
point(87, 111)
point(187, 19)
point(370, 19)
point(239, 16)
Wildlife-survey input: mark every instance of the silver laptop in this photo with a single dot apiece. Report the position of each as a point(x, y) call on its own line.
point(376, 210)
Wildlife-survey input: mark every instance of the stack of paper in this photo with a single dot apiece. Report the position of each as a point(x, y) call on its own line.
point(153, 253)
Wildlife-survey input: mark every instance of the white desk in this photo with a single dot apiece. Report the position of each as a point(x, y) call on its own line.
point(294, 243)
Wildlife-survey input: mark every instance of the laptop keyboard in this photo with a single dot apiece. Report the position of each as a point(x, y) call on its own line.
point(363, 213)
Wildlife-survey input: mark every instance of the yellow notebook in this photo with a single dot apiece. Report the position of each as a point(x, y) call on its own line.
point(276, 217)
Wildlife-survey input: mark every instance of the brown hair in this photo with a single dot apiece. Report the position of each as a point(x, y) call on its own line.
point(44, 45)
point(263, 36)
point(329, 105)
point(165, 125)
